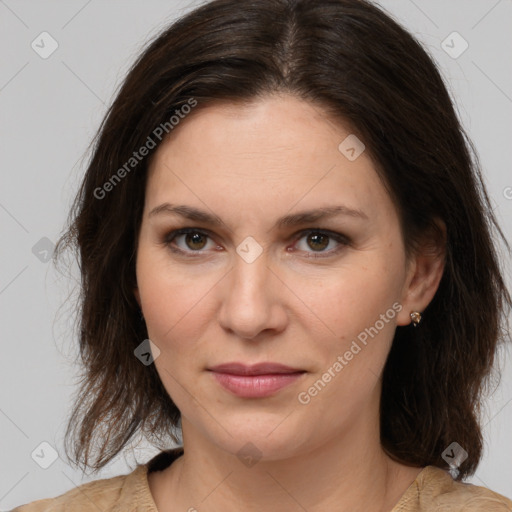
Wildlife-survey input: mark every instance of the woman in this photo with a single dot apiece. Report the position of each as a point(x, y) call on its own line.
point(285, 245)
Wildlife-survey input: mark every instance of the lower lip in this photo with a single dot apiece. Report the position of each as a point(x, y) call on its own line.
point(256, 386)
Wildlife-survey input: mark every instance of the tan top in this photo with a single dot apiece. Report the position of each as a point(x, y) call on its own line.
point(433, 490)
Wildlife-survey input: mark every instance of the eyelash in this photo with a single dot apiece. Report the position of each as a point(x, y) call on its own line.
point(338, 237)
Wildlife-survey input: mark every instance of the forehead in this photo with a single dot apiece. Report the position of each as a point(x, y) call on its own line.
point(264, 156)
point(263, 128)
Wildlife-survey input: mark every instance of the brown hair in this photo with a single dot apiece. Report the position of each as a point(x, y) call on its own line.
point(354, 61)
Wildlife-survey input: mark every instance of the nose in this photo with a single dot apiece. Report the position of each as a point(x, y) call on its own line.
point(252, 299)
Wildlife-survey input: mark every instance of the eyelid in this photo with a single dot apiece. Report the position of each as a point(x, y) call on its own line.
point(170, 236)
point(340, 238)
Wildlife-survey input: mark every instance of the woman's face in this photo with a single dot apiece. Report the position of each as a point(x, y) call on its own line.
point(320, 296)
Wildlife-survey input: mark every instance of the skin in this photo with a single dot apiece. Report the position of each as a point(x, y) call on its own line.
point(250, 165)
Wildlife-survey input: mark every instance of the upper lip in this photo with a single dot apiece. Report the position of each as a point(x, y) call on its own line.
point(254, 369)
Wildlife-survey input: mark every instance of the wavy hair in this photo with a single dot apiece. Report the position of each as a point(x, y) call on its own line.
point(355, 62)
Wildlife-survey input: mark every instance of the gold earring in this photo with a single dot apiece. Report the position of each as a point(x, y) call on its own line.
point(415, 317)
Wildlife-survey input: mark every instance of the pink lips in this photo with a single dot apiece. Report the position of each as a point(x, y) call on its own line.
point(255, 381)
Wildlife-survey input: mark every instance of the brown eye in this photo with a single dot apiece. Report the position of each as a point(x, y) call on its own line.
point(318, 241)
point(190, 241)
point(195, 241)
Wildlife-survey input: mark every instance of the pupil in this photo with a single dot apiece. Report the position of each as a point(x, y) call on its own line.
point(316, 237)
point(195, 237)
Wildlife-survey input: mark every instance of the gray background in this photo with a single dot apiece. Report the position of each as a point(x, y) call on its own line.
point(50, 109)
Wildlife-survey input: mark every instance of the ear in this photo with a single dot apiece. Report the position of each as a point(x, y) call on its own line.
point(424, 271)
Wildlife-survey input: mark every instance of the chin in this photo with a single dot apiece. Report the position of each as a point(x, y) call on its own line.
point(260, 436)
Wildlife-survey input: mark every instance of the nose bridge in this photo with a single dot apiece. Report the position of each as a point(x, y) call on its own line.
point(250, 272)
point(249, 303)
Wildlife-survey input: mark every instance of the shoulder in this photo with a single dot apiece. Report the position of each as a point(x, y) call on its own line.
point(435, 489)
point(103, 494)
point(118, 493)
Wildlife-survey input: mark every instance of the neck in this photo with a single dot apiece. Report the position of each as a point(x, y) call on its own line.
point(346, 473)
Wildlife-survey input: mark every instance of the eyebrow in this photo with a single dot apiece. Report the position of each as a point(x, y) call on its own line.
point(304, 217)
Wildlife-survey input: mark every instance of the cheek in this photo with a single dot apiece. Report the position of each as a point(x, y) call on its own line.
point(358, 304)
point(172, 301)
point(353, 297)
point(173, 304)
point(361, 310)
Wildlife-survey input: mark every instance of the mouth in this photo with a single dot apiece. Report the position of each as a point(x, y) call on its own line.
point(255, 381)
